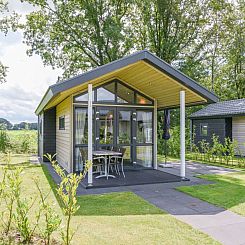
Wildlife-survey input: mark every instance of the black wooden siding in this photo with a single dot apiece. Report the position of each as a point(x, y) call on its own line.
point(221, 127)
point(49, 132)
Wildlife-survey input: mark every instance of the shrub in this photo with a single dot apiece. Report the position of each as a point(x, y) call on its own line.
point(52, 220)
point(4, 141)
point(67, 191)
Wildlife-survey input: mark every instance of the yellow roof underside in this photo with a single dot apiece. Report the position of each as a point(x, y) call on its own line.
point(144, 78)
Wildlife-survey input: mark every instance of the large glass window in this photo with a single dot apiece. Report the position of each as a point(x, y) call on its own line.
point(144, 156)
point(81, 156)
point(106, 93)
point(144, 127)
point(82, 97)
point(114, 92)
point(141, 100)
point(106, 126)
point(124, 94)
point(81, 121)
point(124, 127)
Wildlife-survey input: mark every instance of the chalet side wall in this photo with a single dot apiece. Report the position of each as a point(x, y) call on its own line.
point(215, 126)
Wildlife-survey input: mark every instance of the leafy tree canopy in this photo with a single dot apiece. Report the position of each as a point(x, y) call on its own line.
point(203, 38)
point(80, 34)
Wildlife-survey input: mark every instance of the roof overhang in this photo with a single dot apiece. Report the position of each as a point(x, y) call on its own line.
point(144, 72)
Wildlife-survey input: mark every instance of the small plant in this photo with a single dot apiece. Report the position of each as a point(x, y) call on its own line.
point(67, 191)
point(215, 147)
point(22, 219)
point(4, 141)
point(25, 144)
point(52, 220)
point(12, 190)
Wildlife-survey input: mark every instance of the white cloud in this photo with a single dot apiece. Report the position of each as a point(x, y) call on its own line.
point(27, 79)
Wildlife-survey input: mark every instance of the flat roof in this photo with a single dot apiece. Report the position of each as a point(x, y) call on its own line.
point(145, 56)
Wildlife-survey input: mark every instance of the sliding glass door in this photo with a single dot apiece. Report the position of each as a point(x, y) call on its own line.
point(124, 133)
point(144, 138)
point(129, 128)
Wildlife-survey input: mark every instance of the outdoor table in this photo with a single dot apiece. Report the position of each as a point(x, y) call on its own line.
point(106, 154)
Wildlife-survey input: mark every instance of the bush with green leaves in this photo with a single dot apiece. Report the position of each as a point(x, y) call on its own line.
point(217, 152)
point(51, 218)
point(23, 220)
point(4, 141)
point(67, 191)
point(12, 187)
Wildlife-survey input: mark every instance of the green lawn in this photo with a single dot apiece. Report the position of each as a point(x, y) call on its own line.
point(121, 218)
point(228, 191)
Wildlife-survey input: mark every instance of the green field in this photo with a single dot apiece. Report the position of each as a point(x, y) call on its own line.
point(118, 218)
point(22, 141)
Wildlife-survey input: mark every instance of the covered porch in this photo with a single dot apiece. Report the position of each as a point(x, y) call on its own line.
point(115, 106)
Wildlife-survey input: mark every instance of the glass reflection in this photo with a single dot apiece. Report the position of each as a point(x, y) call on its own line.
point(144, 126)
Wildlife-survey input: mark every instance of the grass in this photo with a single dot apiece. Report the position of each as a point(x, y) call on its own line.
point(17, 137)
point(122, 203)
point(121, 218)
point(16, 158)
point(228, 191)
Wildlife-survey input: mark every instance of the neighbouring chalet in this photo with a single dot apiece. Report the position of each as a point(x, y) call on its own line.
point(115, 105)
point(224, 119)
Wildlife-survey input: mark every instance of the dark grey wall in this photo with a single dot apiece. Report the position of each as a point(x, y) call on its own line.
point(220, 127)
point(228, 127)
point(49, 132)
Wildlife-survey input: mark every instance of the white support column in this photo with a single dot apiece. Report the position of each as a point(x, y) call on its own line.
point(90, 132)
point(155, 135)
point(182, 134)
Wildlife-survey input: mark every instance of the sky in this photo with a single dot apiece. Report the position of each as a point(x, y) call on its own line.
point(27, 77)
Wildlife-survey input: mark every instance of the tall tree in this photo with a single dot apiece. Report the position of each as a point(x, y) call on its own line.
point(234, 68)
point(170, 27)
point(80, 34)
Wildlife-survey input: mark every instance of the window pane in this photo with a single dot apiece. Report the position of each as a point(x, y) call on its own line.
point(80, 158)
point(144, 156)
point(106, 123)
point(142, 100)
point(124, 94)
point(62, 123)
point(124, 127)
point(106, 93)
point(81, 121)
point(127, 156)
point(144, 126)
point(204, 129)
point(82, 97)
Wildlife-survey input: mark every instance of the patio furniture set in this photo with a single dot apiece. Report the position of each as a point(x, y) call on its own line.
point(106, 161)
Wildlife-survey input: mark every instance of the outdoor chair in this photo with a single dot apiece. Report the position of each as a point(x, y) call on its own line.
point(116, 161)
point(98, 162)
